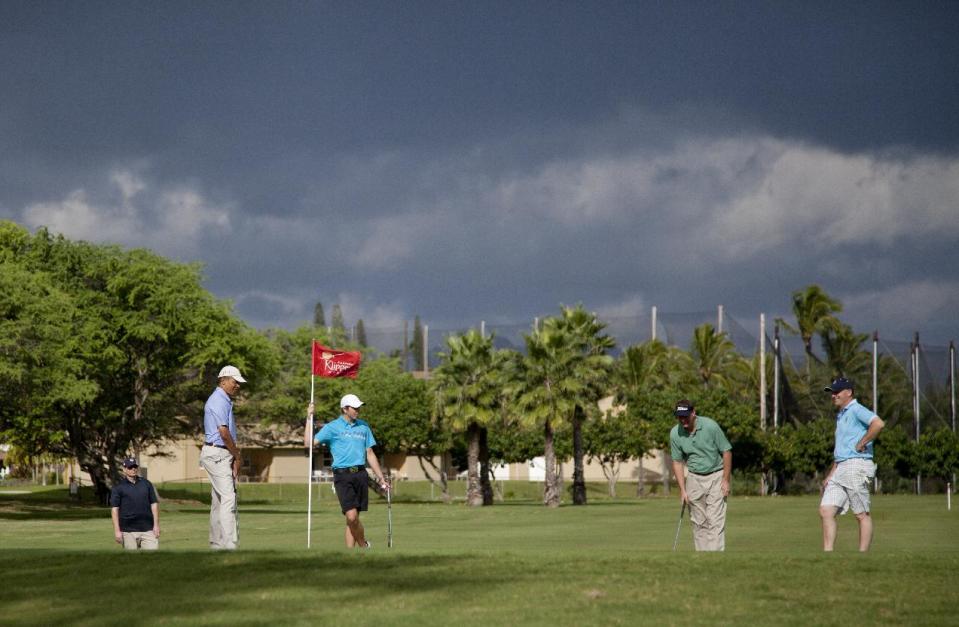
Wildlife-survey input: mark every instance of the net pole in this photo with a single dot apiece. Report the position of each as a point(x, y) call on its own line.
point(875, 372)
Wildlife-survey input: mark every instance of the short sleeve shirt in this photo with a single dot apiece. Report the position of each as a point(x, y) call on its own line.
point(133, 500)
point(852, 422)
point(347, 442)
point(703, 449)
point(218, 411)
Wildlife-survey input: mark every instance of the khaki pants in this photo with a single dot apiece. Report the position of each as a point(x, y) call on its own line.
point(217, 463)
point(707, 510)
point(144, 540)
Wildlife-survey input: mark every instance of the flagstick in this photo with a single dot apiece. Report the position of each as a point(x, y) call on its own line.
point(309, 475)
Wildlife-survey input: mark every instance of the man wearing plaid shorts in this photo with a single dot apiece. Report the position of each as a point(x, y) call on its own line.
point(846, 485)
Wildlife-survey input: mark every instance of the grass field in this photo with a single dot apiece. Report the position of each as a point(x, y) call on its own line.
point(517, 563)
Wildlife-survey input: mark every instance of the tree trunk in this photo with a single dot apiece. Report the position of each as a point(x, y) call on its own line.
point(579, 478)
point(551, 492)
point(474, 495)
point(99, 479)
point(612, 476)
point(444, 487)
point(641, 480)
point(486, 487)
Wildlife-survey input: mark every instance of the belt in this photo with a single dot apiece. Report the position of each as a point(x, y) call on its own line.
point(705, 474)
point(348, 469)
point(216, 445)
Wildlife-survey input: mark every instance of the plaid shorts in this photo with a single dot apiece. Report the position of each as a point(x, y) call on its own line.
point(848, 487)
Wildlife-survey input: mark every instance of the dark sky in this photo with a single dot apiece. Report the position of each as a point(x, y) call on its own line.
point(468, 161)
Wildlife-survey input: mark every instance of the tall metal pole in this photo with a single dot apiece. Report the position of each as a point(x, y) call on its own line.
point(916, 387)
point(776, 362)
point(915, 401)
point(406, 345)
point(952, 391)
point(762, 389)
point(483, 329)
point(654, 323)
point(719, 319)
point(875, 373)
point(952, 383)
point(762, 371)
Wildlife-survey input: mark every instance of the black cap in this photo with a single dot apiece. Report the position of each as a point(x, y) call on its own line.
point(683, 409)
point(841, 383)
point(130, 462)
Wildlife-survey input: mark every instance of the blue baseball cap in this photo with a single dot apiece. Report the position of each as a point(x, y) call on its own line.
point(130, 462)
point(839, 384)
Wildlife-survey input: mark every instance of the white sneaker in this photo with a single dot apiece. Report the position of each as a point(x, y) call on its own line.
point(369, 545)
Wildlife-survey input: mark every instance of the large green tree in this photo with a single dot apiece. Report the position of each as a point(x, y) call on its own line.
point(147, 341)
point(613, 439)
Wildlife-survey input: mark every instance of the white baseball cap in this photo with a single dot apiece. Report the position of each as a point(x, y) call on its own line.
point(231, 371)
point(350, 400)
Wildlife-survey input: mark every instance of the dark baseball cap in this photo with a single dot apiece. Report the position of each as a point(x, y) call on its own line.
point(683, 409)
point(130, 462)
point(841, 383)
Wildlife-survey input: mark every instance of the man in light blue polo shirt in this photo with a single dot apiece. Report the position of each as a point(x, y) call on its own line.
point(351, 443)
point(846, 485)
point(220, 457)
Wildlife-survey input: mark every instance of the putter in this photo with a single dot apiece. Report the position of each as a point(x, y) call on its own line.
point(389, 517)
point(682, 512)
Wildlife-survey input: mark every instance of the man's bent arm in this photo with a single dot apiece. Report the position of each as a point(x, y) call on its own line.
point(875, 426)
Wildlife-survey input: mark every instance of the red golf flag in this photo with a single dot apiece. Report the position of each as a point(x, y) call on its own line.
point(328, 362)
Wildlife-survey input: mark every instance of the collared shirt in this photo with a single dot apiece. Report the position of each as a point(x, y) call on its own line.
point(347, 442)
point(703, 449)
point(133, 498)
point(218, 411)
point(852, 422)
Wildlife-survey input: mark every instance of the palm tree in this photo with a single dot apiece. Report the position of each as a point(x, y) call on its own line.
point(467, 392)
point(593, 369)
point(563, 371)
point(814, 311)
point(651, 365)
point(545, 394)
point(716, 358)
point(844, 353)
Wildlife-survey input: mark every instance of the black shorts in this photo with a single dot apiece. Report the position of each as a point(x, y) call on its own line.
point(352, 488)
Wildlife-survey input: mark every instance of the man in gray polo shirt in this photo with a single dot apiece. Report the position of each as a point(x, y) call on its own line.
point(699, 445)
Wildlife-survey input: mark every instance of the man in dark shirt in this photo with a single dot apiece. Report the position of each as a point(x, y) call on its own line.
point(136, 516)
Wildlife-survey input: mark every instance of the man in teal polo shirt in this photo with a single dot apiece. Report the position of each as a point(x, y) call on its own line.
point(846, 485)
point(351, 443)
point(699, 445)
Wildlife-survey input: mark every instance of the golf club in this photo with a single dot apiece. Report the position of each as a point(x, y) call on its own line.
point(389, 517)
point(682, 512)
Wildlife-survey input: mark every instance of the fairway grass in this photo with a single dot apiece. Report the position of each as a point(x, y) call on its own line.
point(516, 563)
